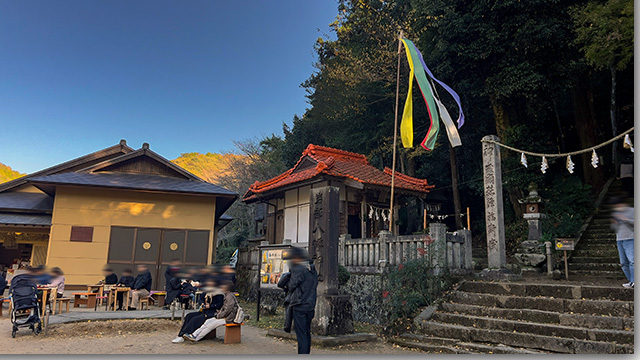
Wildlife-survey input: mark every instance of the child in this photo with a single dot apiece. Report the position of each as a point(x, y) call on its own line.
point(126, 280)
point(283, 284)
point(57, 281)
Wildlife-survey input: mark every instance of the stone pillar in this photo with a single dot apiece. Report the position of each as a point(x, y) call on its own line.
point(341, 249)
point(467, 249)
point(493, 203)
point(438, 234)
point(333, 314)
point(383, 238)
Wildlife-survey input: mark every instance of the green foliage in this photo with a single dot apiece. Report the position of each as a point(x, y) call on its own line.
point(343, 275)
point(224, 251)
point(570, 203)
point(605, 32)
point(7, 173)
point(412, 286)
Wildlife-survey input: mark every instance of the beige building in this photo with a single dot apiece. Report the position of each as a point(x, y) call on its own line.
point(116, 206)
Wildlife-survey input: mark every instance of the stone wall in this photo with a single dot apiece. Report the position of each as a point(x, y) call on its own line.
point(366, 292)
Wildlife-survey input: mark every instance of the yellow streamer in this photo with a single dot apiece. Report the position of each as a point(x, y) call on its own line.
point(406, 126)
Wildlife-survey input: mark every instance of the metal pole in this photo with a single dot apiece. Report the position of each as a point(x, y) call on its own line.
point(395, 137)
point(566, 266)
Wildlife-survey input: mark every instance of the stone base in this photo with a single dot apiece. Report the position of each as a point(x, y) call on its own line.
point(326, 341)
point(333, 315)
point(528, 259)
point(531, 271)
point(498, 275)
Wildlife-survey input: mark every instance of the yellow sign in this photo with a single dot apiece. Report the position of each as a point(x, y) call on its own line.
point(173, 246)
point(146, 245)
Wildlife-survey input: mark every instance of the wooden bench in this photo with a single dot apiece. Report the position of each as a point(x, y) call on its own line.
point(143, 303)
point(58, 304)
point(2, 301)
point(90, 301)
point(232, 333)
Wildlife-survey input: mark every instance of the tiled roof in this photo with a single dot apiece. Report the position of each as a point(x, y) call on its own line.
point(25, 219)
point(26, 201)
point(134, 182)
point(318, 160)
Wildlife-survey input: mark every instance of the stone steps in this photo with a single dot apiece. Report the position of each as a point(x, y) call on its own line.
point(553, 290)
point(434, 344)
point(616, 275)
point(581, 333)
point(595, 253)
point(542, 316)
point(594, 259)
point(523, 340)
point(598, 266)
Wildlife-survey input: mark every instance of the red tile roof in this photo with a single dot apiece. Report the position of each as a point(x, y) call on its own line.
point(337, 163)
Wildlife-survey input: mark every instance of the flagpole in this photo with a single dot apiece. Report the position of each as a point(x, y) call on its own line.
point(395, 138)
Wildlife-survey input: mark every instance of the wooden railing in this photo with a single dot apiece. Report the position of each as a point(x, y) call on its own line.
point(439, 248)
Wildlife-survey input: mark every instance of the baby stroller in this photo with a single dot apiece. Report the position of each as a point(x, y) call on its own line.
point(25, 310)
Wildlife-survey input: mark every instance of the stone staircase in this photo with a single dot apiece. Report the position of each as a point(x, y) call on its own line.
point(596, 254)
point(527, 317)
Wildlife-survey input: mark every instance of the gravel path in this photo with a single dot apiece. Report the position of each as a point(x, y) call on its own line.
point(153, 336)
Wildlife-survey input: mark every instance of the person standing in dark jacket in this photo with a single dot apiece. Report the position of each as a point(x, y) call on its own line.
point(303, 288)
point(172, 286)
point(283, 284)
point(141, 286)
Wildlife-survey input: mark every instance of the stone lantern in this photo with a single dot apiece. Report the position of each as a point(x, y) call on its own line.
point(530, 253)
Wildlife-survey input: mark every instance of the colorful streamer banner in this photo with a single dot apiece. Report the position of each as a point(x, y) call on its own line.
point(435, 107)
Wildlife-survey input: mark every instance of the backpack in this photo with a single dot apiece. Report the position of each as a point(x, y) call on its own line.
point(239, 319)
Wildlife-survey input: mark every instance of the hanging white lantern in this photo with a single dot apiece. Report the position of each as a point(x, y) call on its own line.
point(627, 143)
point(523, 160)
point(544, 166)
point(594, 159)
point(570, 165)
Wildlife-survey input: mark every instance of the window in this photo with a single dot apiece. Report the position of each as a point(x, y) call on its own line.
point(81, 233)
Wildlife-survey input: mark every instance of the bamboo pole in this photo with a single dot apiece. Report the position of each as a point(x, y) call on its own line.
point(395, 138)
point(468, 220)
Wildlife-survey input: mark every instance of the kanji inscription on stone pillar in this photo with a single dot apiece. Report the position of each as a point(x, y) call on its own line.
point(493, 203)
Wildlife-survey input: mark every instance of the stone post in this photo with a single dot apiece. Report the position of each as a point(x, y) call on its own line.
point(383, 238)
point(467, 256)
point(342, 260)
point(493, 203)
point(438, 234)
point(333, 315)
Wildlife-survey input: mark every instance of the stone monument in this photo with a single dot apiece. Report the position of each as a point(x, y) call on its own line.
point(530, 254)
point(333, 310)
point(493, 203)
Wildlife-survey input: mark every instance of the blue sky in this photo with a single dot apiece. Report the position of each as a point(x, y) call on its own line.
point(184, 76)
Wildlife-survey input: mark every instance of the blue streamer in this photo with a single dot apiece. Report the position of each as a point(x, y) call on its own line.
point(446, 87)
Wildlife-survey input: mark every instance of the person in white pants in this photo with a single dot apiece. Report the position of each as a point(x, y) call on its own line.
point(226, 314)
point(207, 327)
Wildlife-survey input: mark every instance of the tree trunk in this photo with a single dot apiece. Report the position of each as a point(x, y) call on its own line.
point(502, 118)
point(587, 129)
point(454, 187)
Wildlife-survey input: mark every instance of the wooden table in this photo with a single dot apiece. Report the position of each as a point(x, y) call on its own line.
point(158, 297)
point(113, 295)
point(90, 301)
point(46, 292)
point(99, 287)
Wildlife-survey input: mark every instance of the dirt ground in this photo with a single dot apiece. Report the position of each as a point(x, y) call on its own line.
point(154, 337)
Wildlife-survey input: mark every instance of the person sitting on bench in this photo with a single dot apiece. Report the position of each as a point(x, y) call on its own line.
point(126, 280)
point(57, 281)
point(110, 278)
point(141, 286)
point(226, 315)
point(213, 301)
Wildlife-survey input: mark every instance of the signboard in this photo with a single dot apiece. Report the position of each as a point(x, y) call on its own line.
point(564, 244)
point(272, 266)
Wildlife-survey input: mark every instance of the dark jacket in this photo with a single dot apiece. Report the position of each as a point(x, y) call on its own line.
point(187, 288)
point(3, 285)
point(212, 303)
point(229, 308)
point(173, 286)
point(283, 284)
point(303, 286)
point(111, 279)
point(143, 281)
point(126, 281)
